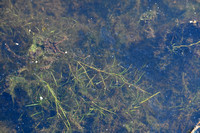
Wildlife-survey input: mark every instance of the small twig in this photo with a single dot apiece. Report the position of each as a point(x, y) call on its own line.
point(53, 45)
point(13, 53)
point(65, 38)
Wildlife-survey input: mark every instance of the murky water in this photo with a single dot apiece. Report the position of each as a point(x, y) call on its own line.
point(106, 66)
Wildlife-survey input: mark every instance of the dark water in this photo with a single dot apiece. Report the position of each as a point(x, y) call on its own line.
point(48, 82)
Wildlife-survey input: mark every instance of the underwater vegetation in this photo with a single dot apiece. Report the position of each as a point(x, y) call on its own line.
point(78, 95)
point(109, 66)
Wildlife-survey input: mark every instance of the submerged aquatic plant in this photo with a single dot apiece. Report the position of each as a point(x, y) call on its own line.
point(77, 90)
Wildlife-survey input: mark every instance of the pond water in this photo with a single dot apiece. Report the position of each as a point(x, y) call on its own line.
point(99, 66)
